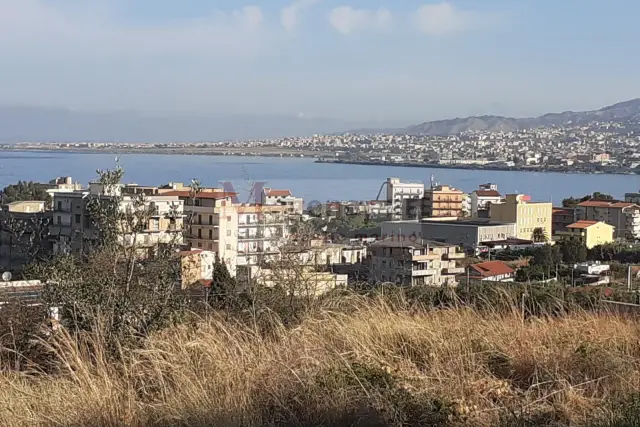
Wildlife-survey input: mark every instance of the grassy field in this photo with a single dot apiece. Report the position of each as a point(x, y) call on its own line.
point(372, 366)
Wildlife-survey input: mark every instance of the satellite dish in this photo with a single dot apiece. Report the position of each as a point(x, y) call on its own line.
point(6, 276)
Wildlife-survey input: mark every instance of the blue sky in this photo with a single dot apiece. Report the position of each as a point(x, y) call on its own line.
point(388, 60)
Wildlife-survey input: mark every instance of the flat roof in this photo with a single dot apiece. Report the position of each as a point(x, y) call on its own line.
point(408, 243)
point(464, 221)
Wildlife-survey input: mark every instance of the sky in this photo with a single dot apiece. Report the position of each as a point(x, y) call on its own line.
point(383, 60)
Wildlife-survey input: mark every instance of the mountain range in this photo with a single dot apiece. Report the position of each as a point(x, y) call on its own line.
point(38, 124)
point(628, 111)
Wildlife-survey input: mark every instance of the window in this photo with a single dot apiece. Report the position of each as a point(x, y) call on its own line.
point(78, 218)
point(59, 220)
point(199, 219)
point(199, 233)
point(228, 247)
point(210, 234)
point(210, 219)
point(228, 232)
point(229, 218)
point(59, 206)
point(198, 202)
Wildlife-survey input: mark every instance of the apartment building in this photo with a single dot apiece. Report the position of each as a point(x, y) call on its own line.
point(439, 201)
point(73, 230)
point(527, 215)
point(21, 225)
point(196, 267)
point(482, 198)
point(212, 221)
point(271, 197)
point(419, 263)
point(589, 233)
point(624, 216)
point(561, 218)
point(399, 192)
point(632, 198)
point(261, 232)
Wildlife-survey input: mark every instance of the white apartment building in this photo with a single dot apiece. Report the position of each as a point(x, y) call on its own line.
point(482, 198)
point(398, 192)
point(271, 197)
point(261, 232)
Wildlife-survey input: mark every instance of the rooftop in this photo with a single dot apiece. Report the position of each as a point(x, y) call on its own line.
point(616, 204)
point(277, 193)
point(409, 243)
point(202, 195)
point(492, 268)
point(582, 224)
point(487, 193)
point(474, 222)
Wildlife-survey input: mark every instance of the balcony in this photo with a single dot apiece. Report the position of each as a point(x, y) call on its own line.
point(453, 270)
point(455, 255)
point(427, 257)
point(423, 273)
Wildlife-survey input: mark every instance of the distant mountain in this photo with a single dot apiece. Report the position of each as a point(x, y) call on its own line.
point(37, 124)
point(621, 112)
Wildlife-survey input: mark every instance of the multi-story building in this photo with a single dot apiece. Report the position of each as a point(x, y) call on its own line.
point(418, 263)
point(632, 198)
point(399, 192)
point(588, 233)
point(468, 233)
point(527, 215)
point(196, 267)
point(624, 216)
point(294, 205)
point(213, 223)
point(441, 201)
point(482, 198)
point(261, 232)
point(22, 225)
point(561, 218)
point(72, 228)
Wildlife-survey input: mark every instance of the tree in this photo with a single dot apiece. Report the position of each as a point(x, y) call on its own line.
point(24, 191)
point(572, 202)
point(573, 252)
point(539, 235)
point(223, 286)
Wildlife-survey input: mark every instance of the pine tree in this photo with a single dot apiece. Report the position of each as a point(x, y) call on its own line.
point(223, 286)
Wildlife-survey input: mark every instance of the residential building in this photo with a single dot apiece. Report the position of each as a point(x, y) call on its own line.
point(261, 232)
point(492, 271)
point(213, 223)
point(561, 218)
point(23, 226)
point(589, 233)
point(482, 198)
point(294, 205)
point(196, 267)
point(438, 201)
point(302, 282)
point(469, 233)
point(624, 216)
point(61, 184)
point(527, 215)
point(632, 198)
point(398, 192)
point(418, 263)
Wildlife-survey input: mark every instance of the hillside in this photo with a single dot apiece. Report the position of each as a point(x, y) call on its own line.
point(628, 111)
point(374, 366)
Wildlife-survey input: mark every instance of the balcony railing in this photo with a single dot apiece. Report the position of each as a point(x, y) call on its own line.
point(453, 270)
point(455, 255)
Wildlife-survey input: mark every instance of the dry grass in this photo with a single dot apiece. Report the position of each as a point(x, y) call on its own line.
point(373, 366)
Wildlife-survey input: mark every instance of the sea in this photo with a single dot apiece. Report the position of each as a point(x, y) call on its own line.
point(315, 182)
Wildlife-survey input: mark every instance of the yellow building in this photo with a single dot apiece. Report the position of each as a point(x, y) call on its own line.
point(527, 215)
point(590, 233)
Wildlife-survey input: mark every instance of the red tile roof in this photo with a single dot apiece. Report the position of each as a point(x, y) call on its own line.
point(487, 193)
point(202, 195)
point(278, 193)
point(492, 268)
point(582, 224)
point(605, 204)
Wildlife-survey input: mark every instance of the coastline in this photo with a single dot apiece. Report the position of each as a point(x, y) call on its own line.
point(565, 170)
point(173, 151)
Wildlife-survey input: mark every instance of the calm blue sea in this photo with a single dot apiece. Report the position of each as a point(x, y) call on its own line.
point(312, 181)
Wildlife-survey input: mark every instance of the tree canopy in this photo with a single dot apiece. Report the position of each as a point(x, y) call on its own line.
point(572, 202)
point(24, 191)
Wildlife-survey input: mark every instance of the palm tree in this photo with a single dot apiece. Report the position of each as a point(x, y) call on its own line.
point(539, 235)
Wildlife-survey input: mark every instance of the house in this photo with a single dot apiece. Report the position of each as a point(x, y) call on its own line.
point(589, 233)
point(492, 271)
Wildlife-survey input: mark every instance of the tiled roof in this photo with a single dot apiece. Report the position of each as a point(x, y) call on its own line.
point(582, 224)
point(492, 268)
point(487, 193)
point(605, 204)
point(278, 193)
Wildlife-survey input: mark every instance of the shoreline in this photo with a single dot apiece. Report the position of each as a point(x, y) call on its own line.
point(469, 167)
point(173, 152)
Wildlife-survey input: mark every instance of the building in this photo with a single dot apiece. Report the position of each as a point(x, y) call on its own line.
point(492, 271)
point(398, 192)
point(632, 198)
point(196, 267)
point(24, 229)
point(589, 233)
point(61, 184)
point(561, 218)
point(482, 198)
point(439, 201)
point(213, 223)
point(294, 205)
point(527, 215)
point(302, 282)
point(261, 232)
point(469, 233)
point(624, 216)
point(419, 263)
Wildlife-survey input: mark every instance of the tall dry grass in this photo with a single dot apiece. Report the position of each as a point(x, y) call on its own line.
point(372, 366)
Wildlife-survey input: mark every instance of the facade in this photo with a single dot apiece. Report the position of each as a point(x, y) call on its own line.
point(561, 218)
point(22, 224)
point(261, 232)
point(419, 263)
point(589, 233)
point(303, 282)
point(213, 223)
point(196, 267)
point(482, 198)
point(72, 229)
point(468, 233)
point(441, 201)
point(492, 271)
point(294, 205)
point(527, 215)
point(398, 192)
point(624, 216)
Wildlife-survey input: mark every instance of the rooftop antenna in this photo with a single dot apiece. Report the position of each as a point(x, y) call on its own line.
point(433, 181)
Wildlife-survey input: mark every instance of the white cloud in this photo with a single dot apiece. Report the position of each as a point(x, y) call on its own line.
point(347, 20)
point(443, 18)
point(289, 14)
point(77, 29)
